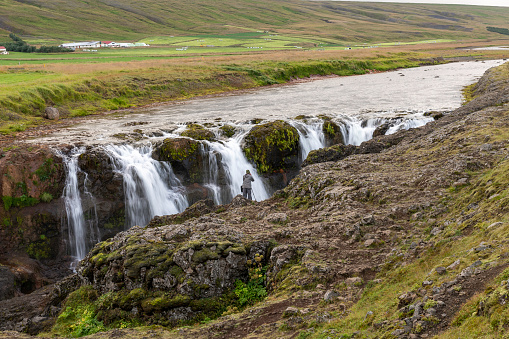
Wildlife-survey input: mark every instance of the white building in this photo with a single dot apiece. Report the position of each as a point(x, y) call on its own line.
point(86, 44)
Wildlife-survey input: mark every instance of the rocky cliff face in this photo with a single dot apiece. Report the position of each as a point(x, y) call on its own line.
point(30, 231)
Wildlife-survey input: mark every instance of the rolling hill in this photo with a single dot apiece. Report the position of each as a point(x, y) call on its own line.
point(332, 21)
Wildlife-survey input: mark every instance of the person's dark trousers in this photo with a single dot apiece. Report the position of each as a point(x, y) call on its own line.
point(247, 193)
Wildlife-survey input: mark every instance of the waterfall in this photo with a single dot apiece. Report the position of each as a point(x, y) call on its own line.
point(233, 163)
point(311, 136)
point(408, 123)
point(356, 131)
point(150, 186)
point(81, 231)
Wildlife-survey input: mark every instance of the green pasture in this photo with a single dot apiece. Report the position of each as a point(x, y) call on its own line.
point(248, 39)
point(415, 42)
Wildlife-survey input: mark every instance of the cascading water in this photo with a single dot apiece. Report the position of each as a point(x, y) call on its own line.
point(356, 131)
point(409, 123)
point(233, 165)
point(150, 186)
point(81, 231)
point(311, 136)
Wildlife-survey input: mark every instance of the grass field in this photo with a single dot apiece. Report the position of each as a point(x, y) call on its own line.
point(202, 47)
point(87, 83)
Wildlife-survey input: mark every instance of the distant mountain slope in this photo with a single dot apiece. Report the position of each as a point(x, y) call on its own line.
point(332, 20)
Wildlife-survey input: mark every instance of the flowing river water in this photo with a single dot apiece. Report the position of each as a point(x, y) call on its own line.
point(358, 104)
point(406, 93)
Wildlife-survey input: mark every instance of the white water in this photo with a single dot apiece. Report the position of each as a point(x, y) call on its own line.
point(81, 231)
point(311, 136)
point(234, 165)
point(356, 131)
point(150, 187)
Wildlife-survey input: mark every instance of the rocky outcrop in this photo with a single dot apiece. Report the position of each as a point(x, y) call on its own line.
point(228, 131)
point(182, 269)
point(492, 89)
point(7, 289)
point(339, 152)
point(36, 312)
point(382, 129)
point(185, 157)
point(30, 228)
point(106, 199)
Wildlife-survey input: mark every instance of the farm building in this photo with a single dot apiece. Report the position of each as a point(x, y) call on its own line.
point(109, 44)
point(96, 44)
point(3, 50)
point(86, 44)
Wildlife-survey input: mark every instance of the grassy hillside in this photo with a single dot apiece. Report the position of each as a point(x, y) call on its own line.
point(332, 22)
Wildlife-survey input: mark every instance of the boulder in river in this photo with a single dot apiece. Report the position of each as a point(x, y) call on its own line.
point(198, 132)
point(273, 146)
point(185, 157)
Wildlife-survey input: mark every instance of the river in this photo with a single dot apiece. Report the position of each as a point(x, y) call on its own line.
point(406, 93)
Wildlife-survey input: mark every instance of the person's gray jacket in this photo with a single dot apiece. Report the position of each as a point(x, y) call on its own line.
point(246, 180)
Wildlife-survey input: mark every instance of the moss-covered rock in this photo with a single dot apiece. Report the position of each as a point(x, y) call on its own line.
point(185, 157)
point(332, 133)
point(176, 150)
point(227, 130)
point(198, 132)
point(273, 146)
point(166, 275)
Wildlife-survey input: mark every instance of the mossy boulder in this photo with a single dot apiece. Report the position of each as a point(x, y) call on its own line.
point(176, 150)
point(169, 274)
point(198, 132)
point(273, 146)
point(185, 156)
point(332, 132)
point(228, 131)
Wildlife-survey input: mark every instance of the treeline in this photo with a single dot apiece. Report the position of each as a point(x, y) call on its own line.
point(498, 30)
point(18, 45)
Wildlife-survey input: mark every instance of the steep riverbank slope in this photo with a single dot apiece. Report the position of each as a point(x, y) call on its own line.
point(403, 236)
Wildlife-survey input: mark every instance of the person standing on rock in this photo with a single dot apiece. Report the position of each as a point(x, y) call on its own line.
point(246, 185)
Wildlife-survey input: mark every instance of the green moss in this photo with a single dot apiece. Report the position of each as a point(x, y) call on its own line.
point(270, 146)
point(235, 250)
point(79, 315)
point(198, 132)
point(164, 302)
point(204, 255)
point(178, 149)
point(46, 197)
point(228, 130)
point(40, 249)
point(20, 202)
point(46, 170)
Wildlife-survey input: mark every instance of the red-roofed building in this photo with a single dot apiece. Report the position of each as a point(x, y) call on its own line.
point(108, 44)
point(3, 50)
